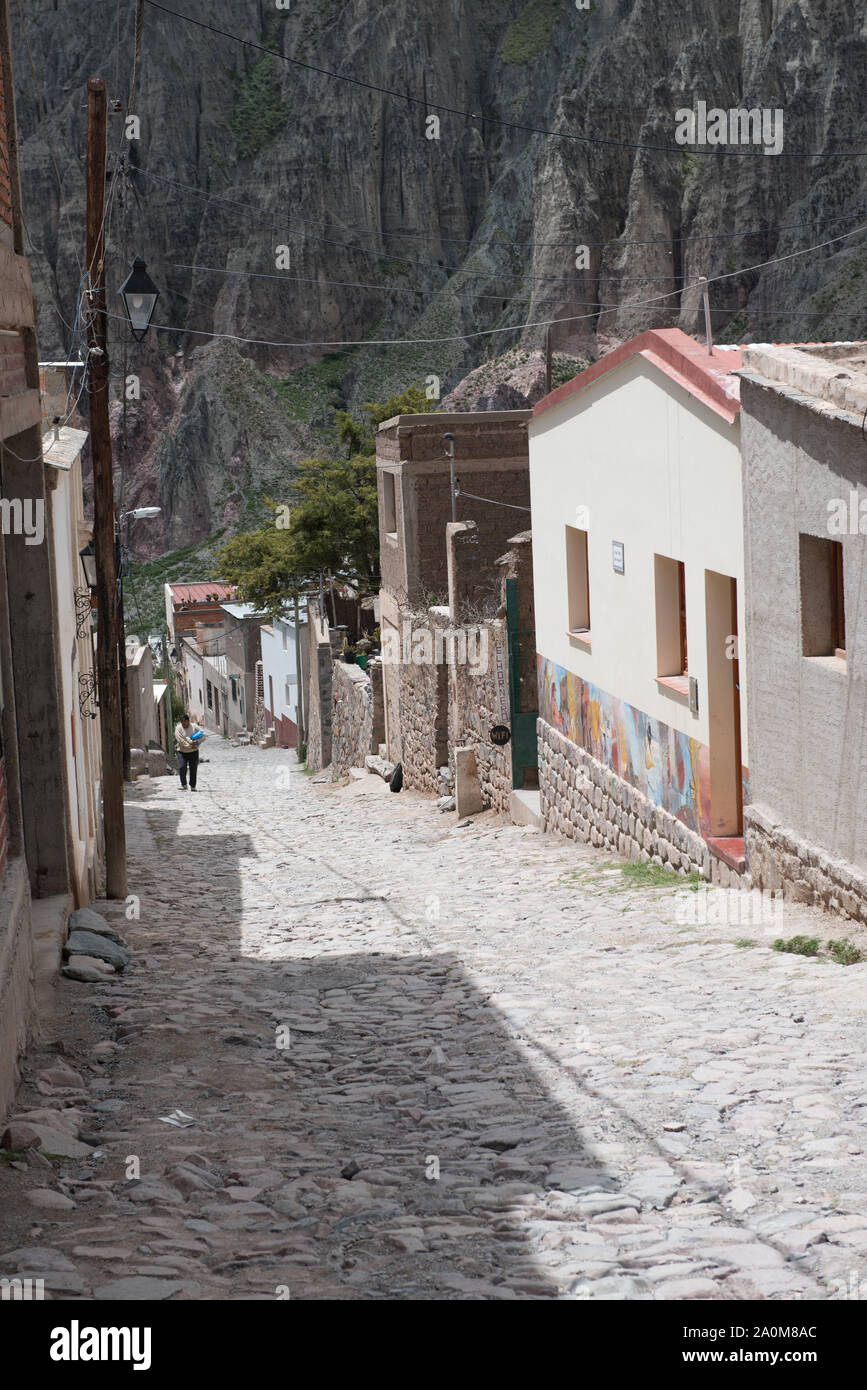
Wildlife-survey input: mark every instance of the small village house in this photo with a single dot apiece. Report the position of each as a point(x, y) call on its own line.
point(415, 506)
point(638, 561)
point(242, 645)
point(282, 648)
point(804, 452)
point(190, 606)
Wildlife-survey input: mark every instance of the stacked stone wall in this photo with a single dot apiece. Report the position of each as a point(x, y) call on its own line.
point(586, 801)
point(781, 862)
point(352, 719)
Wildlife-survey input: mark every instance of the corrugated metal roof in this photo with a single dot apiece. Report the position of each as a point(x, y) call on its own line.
point(200, 593)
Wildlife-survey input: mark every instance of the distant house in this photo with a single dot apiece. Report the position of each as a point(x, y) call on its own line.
point(189, 606)
point(805, 464)
point(413, 480)
point(637, 532)
point(280, 675)
point(243, 649)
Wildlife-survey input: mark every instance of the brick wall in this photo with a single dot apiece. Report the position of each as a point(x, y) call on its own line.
point(13, 374)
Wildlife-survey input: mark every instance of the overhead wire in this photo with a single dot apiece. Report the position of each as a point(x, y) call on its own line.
point(510, 328)
point(429, 105)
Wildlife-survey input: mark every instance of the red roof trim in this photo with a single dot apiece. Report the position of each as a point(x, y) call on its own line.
point(679, 357)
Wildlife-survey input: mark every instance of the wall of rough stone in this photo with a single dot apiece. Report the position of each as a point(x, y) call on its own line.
point(586, 801)
point(423, 720)
point(319, 688)
point(781, 861)
point(477, 704)
point(352, 718)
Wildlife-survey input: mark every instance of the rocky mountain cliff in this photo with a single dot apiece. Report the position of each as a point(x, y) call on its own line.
point(392, 234)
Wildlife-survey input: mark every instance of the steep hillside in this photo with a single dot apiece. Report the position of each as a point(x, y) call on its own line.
point(395, 235)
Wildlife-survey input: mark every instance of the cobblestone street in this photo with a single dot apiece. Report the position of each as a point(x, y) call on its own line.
point(426, 1060)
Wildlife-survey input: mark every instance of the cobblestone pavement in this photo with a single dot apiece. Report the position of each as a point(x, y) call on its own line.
point(426, 1060)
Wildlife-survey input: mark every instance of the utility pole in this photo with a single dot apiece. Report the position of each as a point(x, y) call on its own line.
point(298, 675)
point(104, 525)
point(705, 298)
point(121, 664)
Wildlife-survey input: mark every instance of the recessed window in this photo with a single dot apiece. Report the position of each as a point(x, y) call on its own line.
point(577, 581)
point(823, 613)
point(389, 504)
point(670, 587)
point(210, 694)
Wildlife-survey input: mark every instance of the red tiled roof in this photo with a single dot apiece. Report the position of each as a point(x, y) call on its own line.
point(200, 593)
point(705, 375)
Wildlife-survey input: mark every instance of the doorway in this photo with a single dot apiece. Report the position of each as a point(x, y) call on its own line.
point(724, 706)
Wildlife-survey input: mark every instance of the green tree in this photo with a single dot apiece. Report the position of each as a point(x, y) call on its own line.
point(331, 525)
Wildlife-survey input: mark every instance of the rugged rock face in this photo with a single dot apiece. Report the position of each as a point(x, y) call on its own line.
point(392, 234)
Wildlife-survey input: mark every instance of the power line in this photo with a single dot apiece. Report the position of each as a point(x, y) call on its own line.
point(511, 328)
point(680, 150)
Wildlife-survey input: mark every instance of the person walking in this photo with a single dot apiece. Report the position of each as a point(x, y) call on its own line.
point(188, 738)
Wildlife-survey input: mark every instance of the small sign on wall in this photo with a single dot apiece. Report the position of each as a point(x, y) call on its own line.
point(618, 556)
point(501, 683)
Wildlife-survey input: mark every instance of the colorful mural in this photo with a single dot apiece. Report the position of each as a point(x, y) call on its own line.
point(671, 769)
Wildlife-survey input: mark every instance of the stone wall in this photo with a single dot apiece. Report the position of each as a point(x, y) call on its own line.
point(319, 688)
point(780, 861)
point(586, 801)
point(423, 706)
point(352, 719)
point(477, 704)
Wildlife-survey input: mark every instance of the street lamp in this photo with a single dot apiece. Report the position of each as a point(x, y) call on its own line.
point(139, 295)
point(87, 557)
point(138, 513)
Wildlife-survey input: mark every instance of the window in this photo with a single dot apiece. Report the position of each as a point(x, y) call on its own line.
point(823, 615)
point(577, 582)
point(670, 585)
point(233, 680)
point(287, 693)
point(389, 504)
point(209, 689)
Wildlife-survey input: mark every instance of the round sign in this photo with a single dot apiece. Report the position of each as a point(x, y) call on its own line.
point(500, 734)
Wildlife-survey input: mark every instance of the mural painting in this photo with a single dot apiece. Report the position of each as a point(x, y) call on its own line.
point(668, 767)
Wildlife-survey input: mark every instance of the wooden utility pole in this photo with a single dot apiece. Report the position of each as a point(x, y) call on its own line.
point(104, 524)
point(299, 666)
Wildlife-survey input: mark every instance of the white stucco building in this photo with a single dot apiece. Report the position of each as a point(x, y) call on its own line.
point(638, 555)
point(71, 533)
point(280, 676)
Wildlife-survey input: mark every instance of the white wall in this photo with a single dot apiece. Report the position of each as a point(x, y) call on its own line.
point(278, 662)
point(659, 471)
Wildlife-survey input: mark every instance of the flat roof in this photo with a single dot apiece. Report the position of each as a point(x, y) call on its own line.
point(459, 417)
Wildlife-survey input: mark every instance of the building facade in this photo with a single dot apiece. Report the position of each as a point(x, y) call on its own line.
point(36, 851)
point(75, 630)
point(415, 507)
point(639, 604)
point(280, 646)
point(802, 421)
